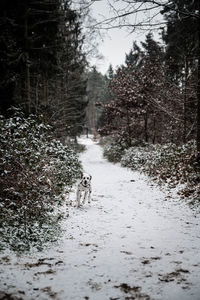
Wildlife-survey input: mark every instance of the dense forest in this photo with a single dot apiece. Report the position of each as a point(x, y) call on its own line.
point(149, 107)
point(155, 93)
point(50, 95)
point(153, 96)
point(42, 62)
point(43, 99)
point(99, 173)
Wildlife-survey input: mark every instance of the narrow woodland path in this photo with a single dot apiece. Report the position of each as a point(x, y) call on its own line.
point(133, 242)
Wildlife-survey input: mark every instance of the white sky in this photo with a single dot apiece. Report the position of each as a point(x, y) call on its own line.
point(116, 43)
point(114, 46)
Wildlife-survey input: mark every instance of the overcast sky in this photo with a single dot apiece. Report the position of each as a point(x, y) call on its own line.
point(114, 46)
point(116, 42)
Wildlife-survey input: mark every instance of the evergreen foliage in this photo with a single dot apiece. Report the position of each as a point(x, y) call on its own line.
point(169, 164)
point(42, 61)
point(182, 45)
point(181, 37)
point(97, 92)
point(42, 72)
point(147, 104)
point(35, 172)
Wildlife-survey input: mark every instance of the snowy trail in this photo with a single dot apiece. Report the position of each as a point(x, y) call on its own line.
point(132, 242)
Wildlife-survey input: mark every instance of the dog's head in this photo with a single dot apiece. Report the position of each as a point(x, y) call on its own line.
point(85, 179)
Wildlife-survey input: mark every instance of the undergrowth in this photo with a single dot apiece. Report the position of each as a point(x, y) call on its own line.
point(36, 172)
point(175, 165)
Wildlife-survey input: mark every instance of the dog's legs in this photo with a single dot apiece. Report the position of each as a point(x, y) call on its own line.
point(78, 197)
point(89, 196)
point(85, 197)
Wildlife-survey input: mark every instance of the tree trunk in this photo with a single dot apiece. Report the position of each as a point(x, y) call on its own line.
point(27, 83)
point(154, 130)
point(36, 96)
point(128, 127)
point(27, 64)
point(46, 100)
point(198, 97)
point(198, 112)
point(185, 101)
point(94, 114)
point(146, 127)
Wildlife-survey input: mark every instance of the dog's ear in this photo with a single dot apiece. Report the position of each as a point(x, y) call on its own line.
point(90, 177)
point(81, 175)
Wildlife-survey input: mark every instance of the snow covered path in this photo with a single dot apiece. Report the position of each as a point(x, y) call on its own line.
point(132, 242)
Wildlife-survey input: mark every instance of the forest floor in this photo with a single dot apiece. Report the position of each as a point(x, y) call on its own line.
point(134, 241)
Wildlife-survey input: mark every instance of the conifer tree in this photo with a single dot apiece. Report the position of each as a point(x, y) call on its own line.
point(181, 38)
point(42, 62)
point(134, 57)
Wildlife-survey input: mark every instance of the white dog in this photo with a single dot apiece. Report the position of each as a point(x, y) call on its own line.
point(84, 186)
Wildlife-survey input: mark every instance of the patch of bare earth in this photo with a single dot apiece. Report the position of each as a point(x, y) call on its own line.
point(132, 292)
point(178, 276)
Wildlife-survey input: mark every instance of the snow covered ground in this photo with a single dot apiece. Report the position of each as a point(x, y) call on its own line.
point(133, 242)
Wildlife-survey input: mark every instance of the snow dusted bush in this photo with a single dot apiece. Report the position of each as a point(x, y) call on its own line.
point(105, 140)
point(169, 163)
point(35, 169)
point(115, 147)
point(135, 157)
point(79, 148)
point(113, 152)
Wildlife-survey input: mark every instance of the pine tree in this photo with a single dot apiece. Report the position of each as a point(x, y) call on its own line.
point(31, 28)
point(96, 91)
point(42, 62)
point(181, 38)
point(110, 72)
point(134, 57)
point(153, 51)
point(71, 101)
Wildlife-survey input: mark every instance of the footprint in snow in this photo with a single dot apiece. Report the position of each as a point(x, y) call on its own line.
point(127, 252)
